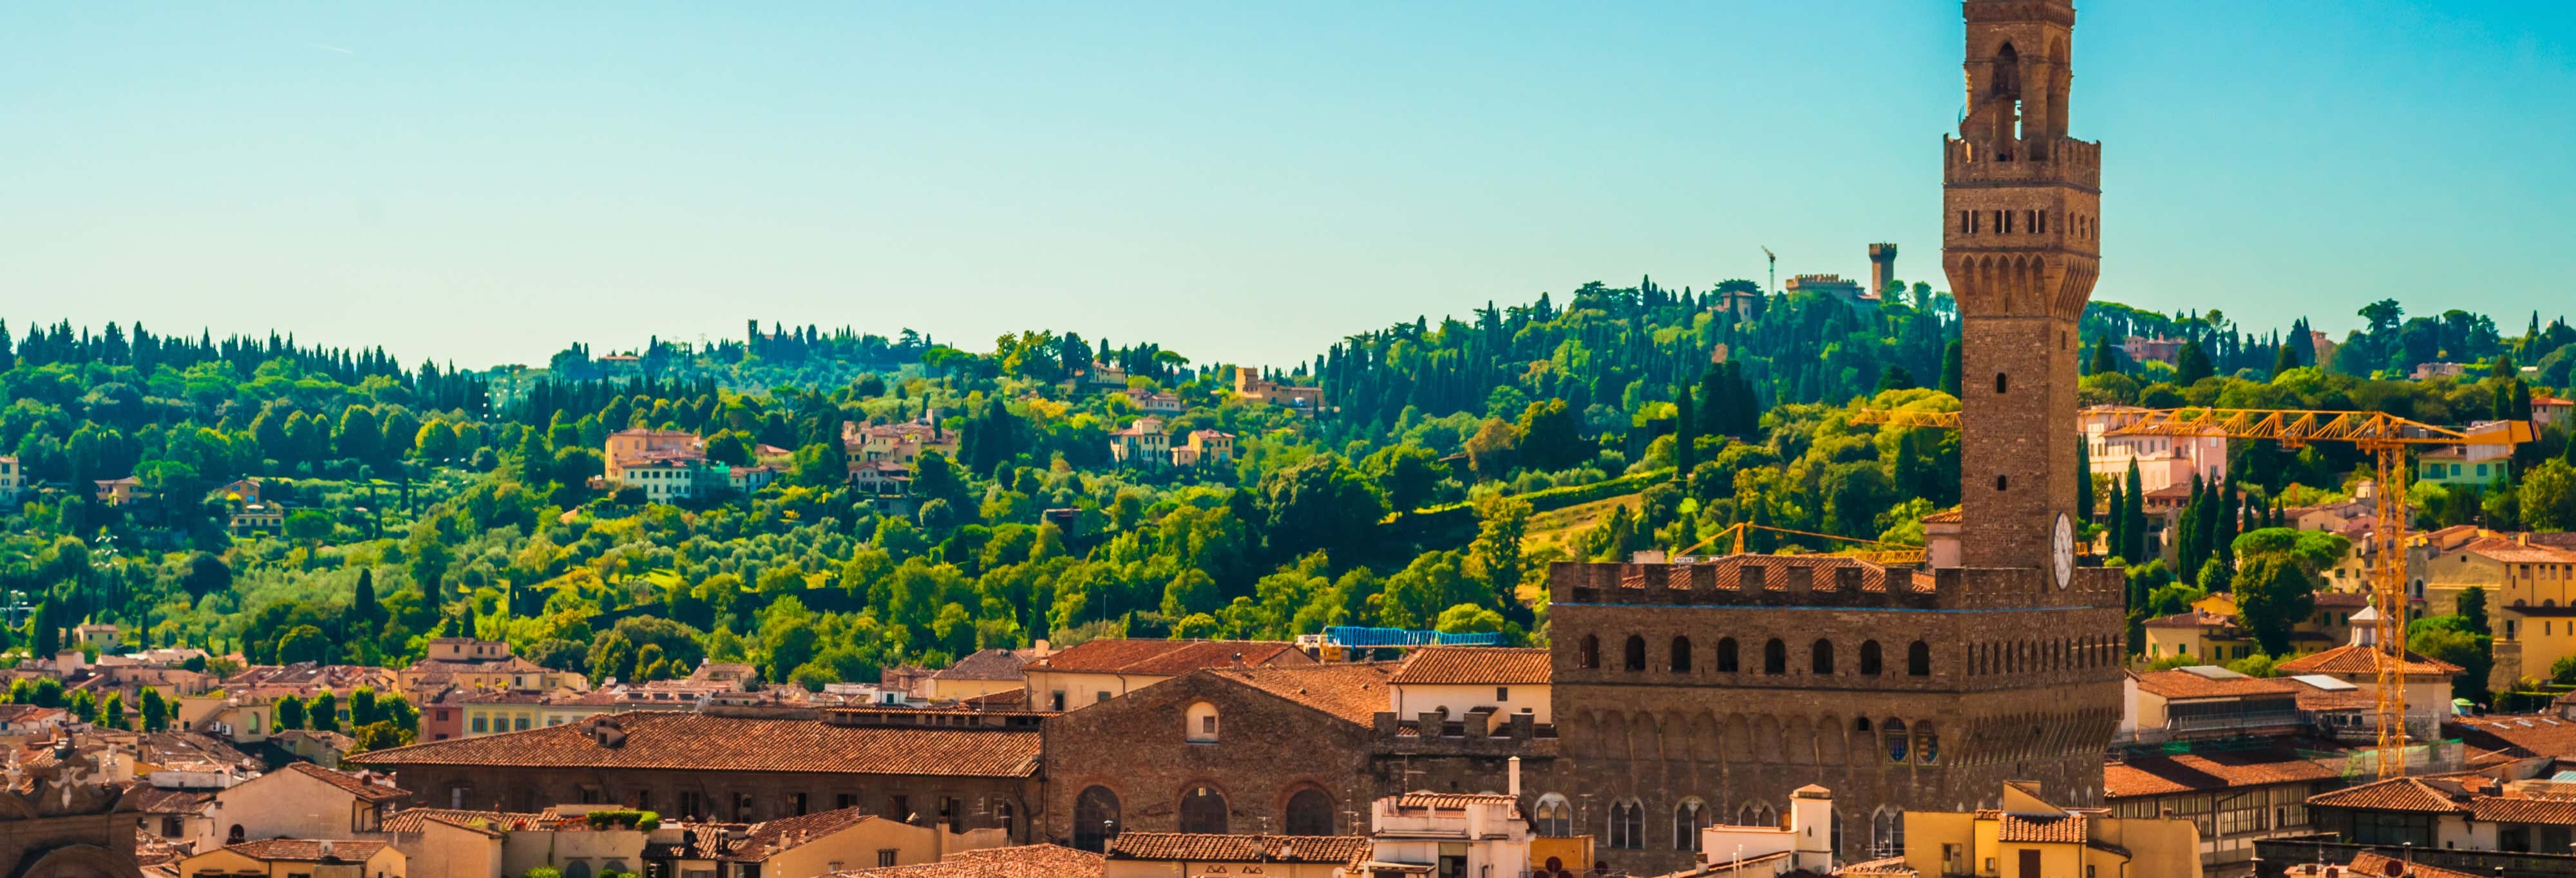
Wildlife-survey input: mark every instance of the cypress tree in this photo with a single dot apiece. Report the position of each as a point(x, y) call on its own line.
point(1953, 363)
point(2284, 359)
point(2083, 480)
point(2103, 360)
point(2135, 528)
point(2115, 525)
point(1684, 454)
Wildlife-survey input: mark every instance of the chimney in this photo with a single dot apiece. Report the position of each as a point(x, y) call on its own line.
point(1515, 777)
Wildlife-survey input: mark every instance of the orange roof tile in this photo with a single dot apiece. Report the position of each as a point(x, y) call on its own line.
point(1479, 665)
point(2158, 775)
point(2506, 809)
point(1202, 847)
point(701, 742)
point(361, 787)
point(2393, 794)
point(2520, 736)
point(1166, 657)
point(2360, 660)
point(1024, 861)
point(2185, 684)
point(2066, 828)
point(1352, 692)
point(306, 850)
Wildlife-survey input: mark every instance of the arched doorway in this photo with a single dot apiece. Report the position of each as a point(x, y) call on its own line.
point(1095, 819)
point(1310, 812)
point(1203, 810)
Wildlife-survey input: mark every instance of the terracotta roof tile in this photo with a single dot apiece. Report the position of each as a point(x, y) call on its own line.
point(363, 788)
point(701, 742)
point(1201, 847)
point(1352, 692)
point(985, 664)
point(2366, 864)
point(1025, 861)
point(2393, 794)
point(2068, 828)
point(306, 849)
point(409, 820)
point(2506, 809)
point(2158, 775)
point(2360, 660)
point(1167, 657)
point(1479, 665)
point(2191, 619)
point(2519, 736)
point(1454, 801)
point(2185, 684)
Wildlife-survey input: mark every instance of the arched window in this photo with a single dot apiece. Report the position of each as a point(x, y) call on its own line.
point(1554, 818)
point(1893, 732)
point(1310, 812)
point(1870, 660)
point(1095, 819)
point(1927, 744)
point(1199, 724)
point(1589, 656)
point(1756, 814)
point(1203, 810)
point(1628, 825)
point(1861, 724)
point(1726, 663)
point(1634, 654)
point(1681, 654)
point(1775, 657)
point(577, 869)
point(1887, 833)
point(1918, 659)
point(1006, 819)
point(234, 835)
point(1820, 657)
point(1689, 818)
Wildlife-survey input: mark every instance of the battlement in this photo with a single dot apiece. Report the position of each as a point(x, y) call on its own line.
point(2069, 161)
point(1822, 581)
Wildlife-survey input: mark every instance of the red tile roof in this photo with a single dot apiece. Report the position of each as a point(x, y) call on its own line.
point(364, 788)
point(2503, 809)
point(1202, 847)
point(1476, 665)
point(1454, 801)
point(1351, 692)
point(2361, 660)
point(306, 850)
point(2518, 736)
point(2393, 794)
point(2185, 684)
point(985, 664)
point(2159, 775)
point(702, 742)
point(2063, 828)
point(1025, 861)
point(409, 820)
point(1169, 658)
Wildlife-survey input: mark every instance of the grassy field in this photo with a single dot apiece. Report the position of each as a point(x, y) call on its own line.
point(1558, 527)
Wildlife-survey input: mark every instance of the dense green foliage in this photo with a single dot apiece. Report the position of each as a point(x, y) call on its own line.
point(435, 501)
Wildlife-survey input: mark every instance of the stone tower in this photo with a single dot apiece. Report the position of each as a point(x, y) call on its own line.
point(2021, 251)
point(1882, 267)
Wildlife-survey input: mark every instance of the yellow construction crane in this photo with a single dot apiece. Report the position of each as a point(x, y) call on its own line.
point(2385, 438)
point(1896, 554)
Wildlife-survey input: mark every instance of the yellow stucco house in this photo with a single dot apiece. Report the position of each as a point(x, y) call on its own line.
point(2029, 838)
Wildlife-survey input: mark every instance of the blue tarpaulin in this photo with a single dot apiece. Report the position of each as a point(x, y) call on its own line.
point(1367, 638)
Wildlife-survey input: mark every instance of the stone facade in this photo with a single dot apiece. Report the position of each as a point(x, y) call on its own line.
point(1721, 687)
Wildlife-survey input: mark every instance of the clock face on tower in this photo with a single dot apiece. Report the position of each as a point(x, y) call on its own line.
point(2063, 549)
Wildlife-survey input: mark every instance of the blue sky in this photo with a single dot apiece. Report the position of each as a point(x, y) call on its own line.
point(1240, 182)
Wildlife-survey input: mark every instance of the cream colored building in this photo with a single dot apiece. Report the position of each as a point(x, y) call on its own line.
point(2163, 461)
point(630, 448)
point(302, 800)
point(1457, 681)
point(1449, 833)
point(2029, 838)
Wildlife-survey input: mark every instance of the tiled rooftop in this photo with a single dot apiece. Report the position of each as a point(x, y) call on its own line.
point(1477, 665)
point(1167, 657)
point(306, 850)
point(1198, 847)
point(702, 742)
point(365, 788)
point(2159, 775)
point(2393, 794)
point(1352, 692)
point(2360, 660)
point(1024, 861)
